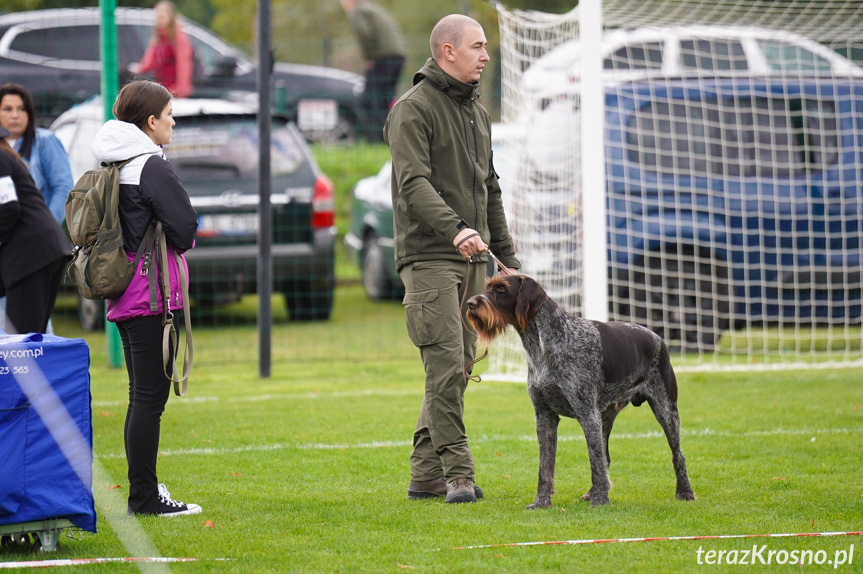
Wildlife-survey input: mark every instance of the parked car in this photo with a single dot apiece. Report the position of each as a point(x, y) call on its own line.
point(214, 152)
point(55, 53)
point(732, 201)
point(669, 52)
point(369, 239)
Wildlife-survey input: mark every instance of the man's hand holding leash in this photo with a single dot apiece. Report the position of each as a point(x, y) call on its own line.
point(469, 243)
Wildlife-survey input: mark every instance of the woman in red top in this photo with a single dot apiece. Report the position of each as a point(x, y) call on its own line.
point(169, 57)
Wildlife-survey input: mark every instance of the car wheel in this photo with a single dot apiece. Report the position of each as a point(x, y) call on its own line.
point(682, 299)
point(310, 300)
point(376, 279)
point(91, 314)
point(343, 133)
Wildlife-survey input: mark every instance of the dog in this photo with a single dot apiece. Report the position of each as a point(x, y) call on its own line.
point(586, 370)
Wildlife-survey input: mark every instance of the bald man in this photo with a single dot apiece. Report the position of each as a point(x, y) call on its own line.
point(447, 212)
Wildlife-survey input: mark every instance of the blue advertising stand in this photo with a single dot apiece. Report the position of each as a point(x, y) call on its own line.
point(46, 438)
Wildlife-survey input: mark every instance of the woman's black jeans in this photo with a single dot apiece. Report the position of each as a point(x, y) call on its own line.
point(148, 394)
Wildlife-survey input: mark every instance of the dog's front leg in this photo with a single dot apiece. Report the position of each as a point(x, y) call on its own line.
point(591, 424)
point(546, 434)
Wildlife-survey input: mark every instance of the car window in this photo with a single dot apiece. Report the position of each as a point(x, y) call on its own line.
point(638, 56)
point(132, 41)
point(227, 148)
point(784, 57)
point(714, 54)
point(743, 136)
point(61, 42)
point(206, 54)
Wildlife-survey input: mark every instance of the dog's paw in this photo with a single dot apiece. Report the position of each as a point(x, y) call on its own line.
point(596, 498)
point(538, 503)
point(689, 495)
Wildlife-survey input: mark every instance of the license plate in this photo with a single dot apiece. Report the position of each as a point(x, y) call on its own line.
point(228, 224)
point(315, 115)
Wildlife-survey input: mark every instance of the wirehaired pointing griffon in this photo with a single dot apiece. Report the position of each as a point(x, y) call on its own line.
point(586, 370)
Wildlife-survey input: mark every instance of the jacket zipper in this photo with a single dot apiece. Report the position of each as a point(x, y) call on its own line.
point(473, 162)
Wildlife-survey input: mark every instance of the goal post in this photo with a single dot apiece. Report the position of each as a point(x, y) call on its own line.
point(693, 166)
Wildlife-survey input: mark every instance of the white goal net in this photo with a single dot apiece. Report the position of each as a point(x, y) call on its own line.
point(732, 137)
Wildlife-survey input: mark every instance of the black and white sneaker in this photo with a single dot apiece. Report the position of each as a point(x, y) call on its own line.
point(170, 507)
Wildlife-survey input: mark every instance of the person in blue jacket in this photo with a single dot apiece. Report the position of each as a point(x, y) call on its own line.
point(40, 149)
point(33, 247)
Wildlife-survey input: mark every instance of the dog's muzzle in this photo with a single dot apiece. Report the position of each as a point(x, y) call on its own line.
point(474, 301)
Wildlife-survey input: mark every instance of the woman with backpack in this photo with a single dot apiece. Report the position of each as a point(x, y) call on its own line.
point(33, 247)
point(149, 190)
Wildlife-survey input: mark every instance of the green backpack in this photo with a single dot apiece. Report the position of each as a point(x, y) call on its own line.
point(99, 267)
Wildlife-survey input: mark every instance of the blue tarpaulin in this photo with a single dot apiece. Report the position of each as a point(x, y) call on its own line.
point(46, 432)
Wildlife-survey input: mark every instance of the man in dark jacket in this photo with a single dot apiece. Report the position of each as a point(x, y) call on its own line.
point(447, 210)
point(383, 51)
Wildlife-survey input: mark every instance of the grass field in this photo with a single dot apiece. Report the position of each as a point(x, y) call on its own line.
point(307, 471)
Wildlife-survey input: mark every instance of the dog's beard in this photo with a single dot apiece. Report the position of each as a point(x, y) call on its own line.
point(489, 324)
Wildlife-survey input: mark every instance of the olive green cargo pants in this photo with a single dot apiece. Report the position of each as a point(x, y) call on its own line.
point(433, 293)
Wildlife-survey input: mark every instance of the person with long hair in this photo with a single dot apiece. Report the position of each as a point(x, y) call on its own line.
point(33, 247)
point(149, 190)
point(169, 55)
point(40, 149)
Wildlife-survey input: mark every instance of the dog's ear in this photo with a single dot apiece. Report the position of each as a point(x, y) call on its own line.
point(529, 300)
point(522, 305)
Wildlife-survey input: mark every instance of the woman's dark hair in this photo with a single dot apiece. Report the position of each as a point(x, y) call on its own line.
point(30, 132)
point(139, 100)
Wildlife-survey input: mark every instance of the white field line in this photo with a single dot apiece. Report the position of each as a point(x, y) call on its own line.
point(87, 561)
point(281, 397)
point(665, 539)
point(810, 432)
point(520, 377)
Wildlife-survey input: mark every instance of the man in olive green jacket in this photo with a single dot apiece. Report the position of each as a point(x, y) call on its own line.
point(383, 50)
point(447, 211)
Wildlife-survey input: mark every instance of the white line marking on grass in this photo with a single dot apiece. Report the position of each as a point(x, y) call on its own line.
point(85, 561)
point(278, 396)
point(483, 439)
point(521, 378)
point(655, 539)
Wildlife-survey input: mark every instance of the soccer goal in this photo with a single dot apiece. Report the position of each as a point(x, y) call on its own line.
point(725, 148)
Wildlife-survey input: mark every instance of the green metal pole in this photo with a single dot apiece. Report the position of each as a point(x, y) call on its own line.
point(108, 53)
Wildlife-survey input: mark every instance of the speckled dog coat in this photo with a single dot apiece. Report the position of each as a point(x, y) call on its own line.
point(586, 370)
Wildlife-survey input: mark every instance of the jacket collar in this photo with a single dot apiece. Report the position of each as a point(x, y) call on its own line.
point(457, 90)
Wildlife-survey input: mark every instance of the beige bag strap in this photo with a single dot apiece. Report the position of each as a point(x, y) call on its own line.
point(169, 335)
